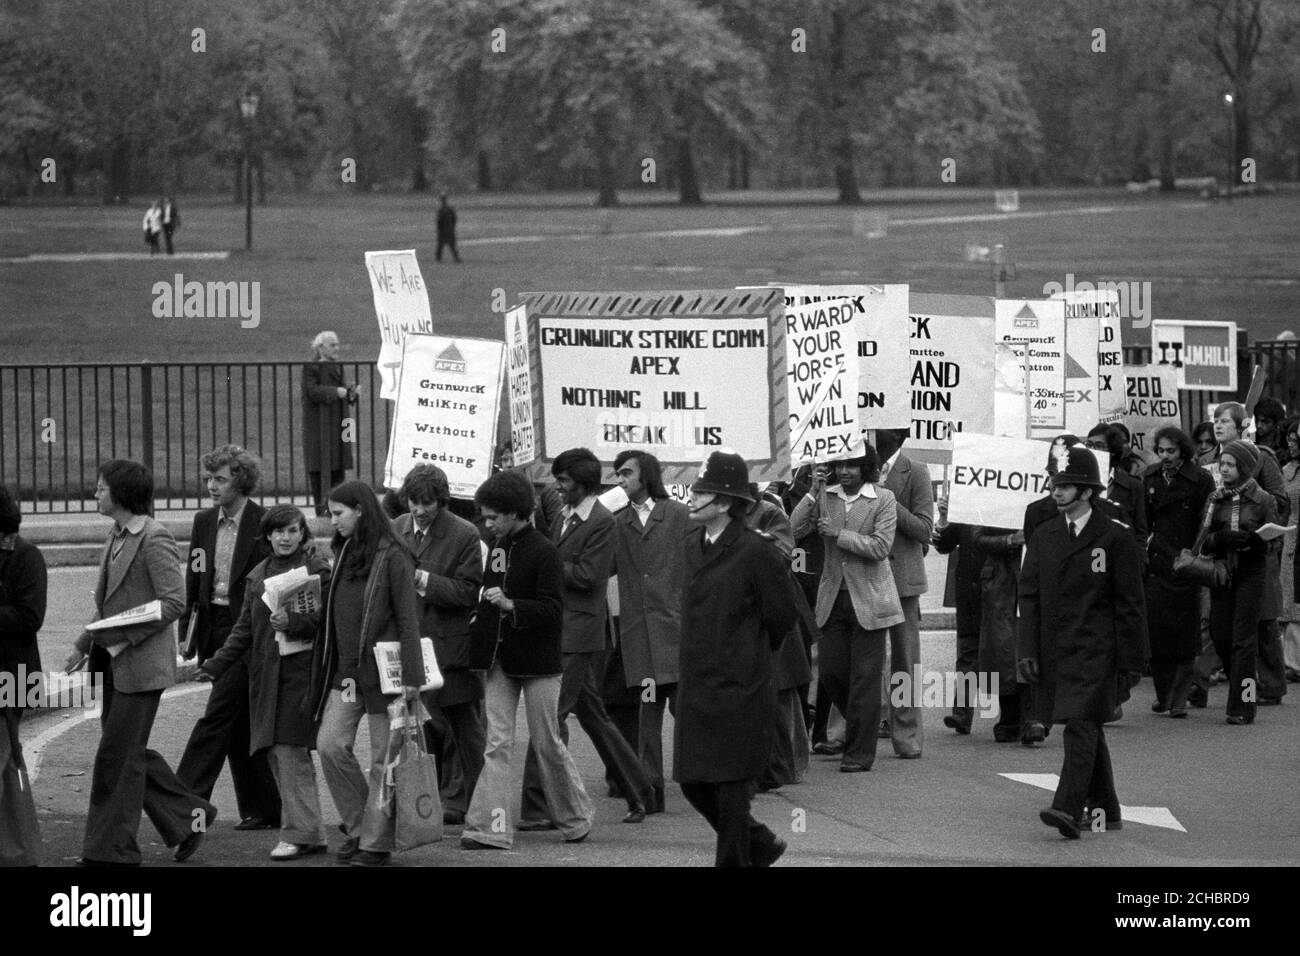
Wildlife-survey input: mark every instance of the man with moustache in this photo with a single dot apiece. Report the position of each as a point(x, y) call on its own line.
point(448, 576)
point(226, 543)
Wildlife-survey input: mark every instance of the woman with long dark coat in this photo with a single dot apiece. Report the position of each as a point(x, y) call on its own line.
point(325, 398)
point(733, 618)
point(279, 683)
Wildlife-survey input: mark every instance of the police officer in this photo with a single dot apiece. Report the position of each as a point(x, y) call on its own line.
point(733, 618)
point(1082, 623)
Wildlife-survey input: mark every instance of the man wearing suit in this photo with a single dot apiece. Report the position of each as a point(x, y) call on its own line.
point(909, 482)
point(137, 662)
point(448, 576)
point(857, 600)
point(225, 544)
point(650, 534)
point(584, 536)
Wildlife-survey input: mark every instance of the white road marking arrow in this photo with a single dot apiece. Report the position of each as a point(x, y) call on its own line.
point(1151, 816)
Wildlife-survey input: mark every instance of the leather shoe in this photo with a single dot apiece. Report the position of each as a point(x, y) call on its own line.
point(351, 846)
point(369, 858)
point(1198, 697)
point(1158, 707)
point(190, 845)
point(769, 855)
point(1005, 735)
point(826, 749)
point(577, 839)
point(453, 818)
point(654, 800)
point(532, 826)
point(958, 724)
point(854, 767)
point(1238, 720)
point(256, 823)
point(635, 814)
point(1177, 712)
point(1117, 715)
point(915, 756)
point(1034, 733)
point(1062, 821)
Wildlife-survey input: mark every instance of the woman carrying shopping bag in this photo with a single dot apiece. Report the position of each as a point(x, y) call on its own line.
point(278, 647)
point(371, 599)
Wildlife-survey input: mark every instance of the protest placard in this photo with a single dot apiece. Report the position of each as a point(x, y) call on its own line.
point(447, 396)
point(401, 306)
point(1041, 323)
point(884, 390)
point(1010, 406)
point(1104, 401)
point(993, 479)
point(822, 378)
point(679, 374)
point(523, 445)
point(1152, 401)
point(1203, 353)
point(951, 369)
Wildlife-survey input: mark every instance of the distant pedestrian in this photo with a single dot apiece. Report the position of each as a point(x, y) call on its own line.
point(1082, 624)
point(325, 399)
point(23, 582)
point(446, 229)
point(171, 221)
point(153, 226)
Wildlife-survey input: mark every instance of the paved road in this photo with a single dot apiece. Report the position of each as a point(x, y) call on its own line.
point(1231, 788)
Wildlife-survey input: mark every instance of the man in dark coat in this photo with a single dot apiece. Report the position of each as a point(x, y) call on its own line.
point(325, 399)
point(732, 620)
point(446, 229)
point(1176, 491)
point(226, 543)
point(23, 583)
point(448, 576)
point(961, 591)
point(1082, 623)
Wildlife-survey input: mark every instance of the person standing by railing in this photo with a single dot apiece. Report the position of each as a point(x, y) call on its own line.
point(325, 399)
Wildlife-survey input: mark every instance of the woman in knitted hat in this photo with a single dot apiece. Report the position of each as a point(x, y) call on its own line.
point(1237, 511)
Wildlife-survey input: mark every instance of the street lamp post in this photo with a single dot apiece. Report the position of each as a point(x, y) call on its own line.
point(248, 110)
point(1232, 142)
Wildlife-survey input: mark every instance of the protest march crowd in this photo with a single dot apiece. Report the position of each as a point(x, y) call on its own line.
point(762, 617)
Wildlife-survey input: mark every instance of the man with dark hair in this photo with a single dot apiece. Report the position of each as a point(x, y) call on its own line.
point(226, 543)
point(23, 585)
point(1082, 625)
point(909, 482)
point(1269, 416)
point(137, 661)
point(649, 536)
point(448, 576)
point(584, 538)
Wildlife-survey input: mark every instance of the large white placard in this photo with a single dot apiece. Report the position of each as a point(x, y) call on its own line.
point(821, 358)
point(951, 370)
point(681, 388)
point(1103, 305)
point(994, 479)
point(523, 437)
point(1152, 402)
point(448, 392)
point(884, 396)
point(401, 306)
point(1041, 323)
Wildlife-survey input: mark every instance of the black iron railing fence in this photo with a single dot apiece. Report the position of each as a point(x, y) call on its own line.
point(59, 422)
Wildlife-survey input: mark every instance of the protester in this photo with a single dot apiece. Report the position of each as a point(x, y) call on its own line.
point(325, 399)
point(171, 221)
point(997, 634)
point(137, 662)
point(1122, 489)
point(371, 598)
point(857, 598)
point(274, 649)
point(1129, 458)
point(1290, 618)
point(226, 543)
point(732, 620)
point(1205, 444)
point(153, 226)
point(584, 538)
point(1269, 416)
point(909, 482)
point(1081, 625)
point(23, 588)
point(446, 229)
point(1240, 508)
point(1176, 494)
point(648, 540)
point(448, 577)
point(962, 592)
point(516, 638)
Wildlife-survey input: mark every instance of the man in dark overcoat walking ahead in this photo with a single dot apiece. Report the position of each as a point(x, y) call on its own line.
point(1082, 623)
point(733, 618)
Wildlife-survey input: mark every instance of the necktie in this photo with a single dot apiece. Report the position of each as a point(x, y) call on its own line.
point(419, 539)
point(1074, 530)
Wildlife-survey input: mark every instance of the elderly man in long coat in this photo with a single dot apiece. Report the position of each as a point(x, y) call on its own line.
point(1082, 623)
point(325, 400)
